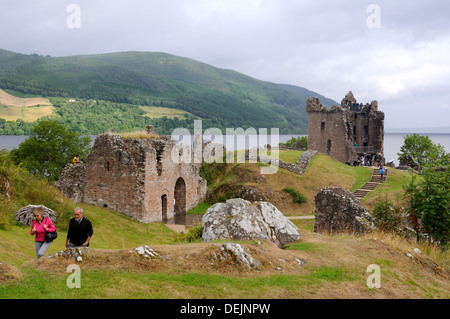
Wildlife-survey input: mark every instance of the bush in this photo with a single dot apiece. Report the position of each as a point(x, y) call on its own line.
point(194, 233)
point(297, 197)
point(303, 140)
point(388, 217)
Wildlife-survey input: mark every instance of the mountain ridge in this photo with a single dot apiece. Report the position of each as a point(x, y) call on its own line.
point(223, 97)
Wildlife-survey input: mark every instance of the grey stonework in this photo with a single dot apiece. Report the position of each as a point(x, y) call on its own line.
point(339, 211)
point(334, 131)
point(139, 178)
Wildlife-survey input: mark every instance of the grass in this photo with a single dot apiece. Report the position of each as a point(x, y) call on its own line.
point(289, 156)
point(157, 112)
point(392, 187)
point(28, 109)
point(335, 264)
point(26, 113)
point(199, 209)
point(138, 135)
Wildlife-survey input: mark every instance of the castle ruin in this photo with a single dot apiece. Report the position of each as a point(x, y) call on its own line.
point(347, 131)
point(145, 179)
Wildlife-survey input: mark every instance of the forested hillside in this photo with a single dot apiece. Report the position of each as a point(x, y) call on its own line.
point(224, 98)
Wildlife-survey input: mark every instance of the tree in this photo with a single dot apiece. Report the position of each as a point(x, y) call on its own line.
point(49, 148)
point(419, 147)
point(429, 199)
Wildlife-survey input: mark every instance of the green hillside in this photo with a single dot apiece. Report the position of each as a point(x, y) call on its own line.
point(222, 98)
point(336, 265)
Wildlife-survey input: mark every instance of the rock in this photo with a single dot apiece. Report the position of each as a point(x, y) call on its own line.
point(236, 253)
point(146, 251)
point(239, 219)
point(76, 253)
point(300, 262)
point(338, 210)
point(409, 161)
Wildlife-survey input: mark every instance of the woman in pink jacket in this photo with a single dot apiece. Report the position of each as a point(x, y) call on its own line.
point(39, 225)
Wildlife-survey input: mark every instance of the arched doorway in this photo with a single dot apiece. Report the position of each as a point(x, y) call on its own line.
point(180, 201)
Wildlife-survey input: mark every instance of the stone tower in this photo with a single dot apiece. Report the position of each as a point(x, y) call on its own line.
point(347, 131)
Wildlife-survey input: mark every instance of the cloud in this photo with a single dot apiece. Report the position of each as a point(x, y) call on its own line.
point(325, 46)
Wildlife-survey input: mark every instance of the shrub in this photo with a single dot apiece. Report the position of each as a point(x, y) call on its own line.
point(297, 197)
point(388, 217)
point(194, 233)
point(303, 140)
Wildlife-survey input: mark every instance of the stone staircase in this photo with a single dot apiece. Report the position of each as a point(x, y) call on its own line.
point(375, 180)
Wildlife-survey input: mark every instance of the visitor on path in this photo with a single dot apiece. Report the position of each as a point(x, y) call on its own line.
point(381, 172)
point(76, 160)
point(39, 226)
point(80, 230)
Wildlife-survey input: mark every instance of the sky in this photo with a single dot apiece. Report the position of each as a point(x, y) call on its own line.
point(395, 52)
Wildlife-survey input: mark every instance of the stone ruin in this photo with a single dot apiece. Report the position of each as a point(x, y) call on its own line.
point(339, 211)
point(146, 179)
point(336, 130)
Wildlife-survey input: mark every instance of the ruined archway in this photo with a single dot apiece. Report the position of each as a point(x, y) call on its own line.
point(180, 201)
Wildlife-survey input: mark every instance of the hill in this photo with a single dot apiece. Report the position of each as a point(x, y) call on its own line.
point(28, 109)
point(336, 266)
point(222, 98)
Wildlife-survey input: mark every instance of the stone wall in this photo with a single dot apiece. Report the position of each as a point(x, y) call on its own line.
point(334, 131)
point(71, 182)
point(140, 178)
point(339, 211)
point(298, 168)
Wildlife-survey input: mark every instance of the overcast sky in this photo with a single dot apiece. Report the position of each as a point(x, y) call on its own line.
point(396, 52)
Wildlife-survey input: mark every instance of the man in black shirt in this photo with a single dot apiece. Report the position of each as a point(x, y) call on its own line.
point(80, 230)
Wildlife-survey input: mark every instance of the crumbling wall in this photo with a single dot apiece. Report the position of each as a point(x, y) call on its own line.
point(136, 177)
point(336, 130)
point(115, 174)
point(71, 182)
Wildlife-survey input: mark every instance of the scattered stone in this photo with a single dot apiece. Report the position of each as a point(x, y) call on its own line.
point(76, 253)
point(239, 219)
point(338, 210)
point(236, 253)
point(300, 262)
point(146, 251)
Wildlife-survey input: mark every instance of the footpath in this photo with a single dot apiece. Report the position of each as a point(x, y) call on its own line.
point(372, 184)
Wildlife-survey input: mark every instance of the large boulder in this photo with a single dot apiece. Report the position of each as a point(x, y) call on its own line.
point(338, 210)
point(239, 219)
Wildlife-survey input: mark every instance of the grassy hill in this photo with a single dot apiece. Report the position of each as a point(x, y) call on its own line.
point(336, 266)
point(222, 98)
point(28, 109)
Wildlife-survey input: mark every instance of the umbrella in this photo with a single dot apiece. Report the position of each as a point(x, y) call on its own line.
point(25, 214)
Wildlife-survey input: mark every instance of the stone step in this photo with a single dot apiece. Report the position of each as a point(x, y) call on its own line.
point(361, 192)
point(369, 187)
